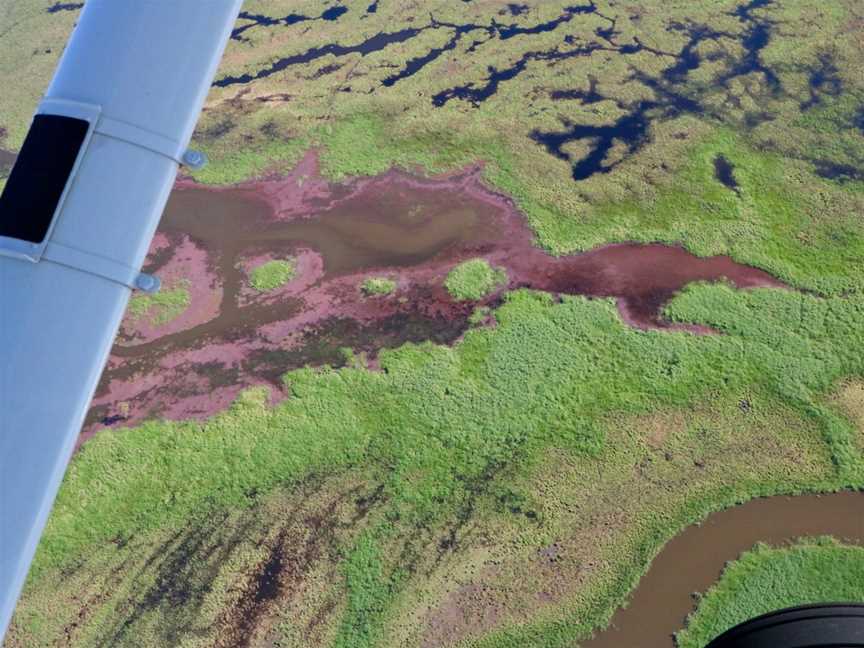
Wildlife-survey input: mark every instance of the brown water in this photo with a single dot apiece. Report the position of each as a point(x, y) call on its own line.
point(399, 225)
point(693, 560)
point(374, 230)
point(643, 278)
point(382, 226)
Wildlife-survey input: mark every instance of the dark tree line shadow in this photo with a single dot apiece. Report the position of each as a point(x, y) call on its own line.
point(178, 575)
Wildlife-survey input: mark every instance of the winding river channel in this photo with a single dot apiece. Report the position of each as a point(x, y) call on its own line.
point(693, 560)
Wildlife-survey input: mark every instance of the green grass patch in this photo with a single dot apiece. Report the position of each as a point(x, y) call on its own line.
point(766, 579)
point(161, 307)
point(378, 286)
point(436, 420)
point(371, 589)
point(272, 274)
point(231, 162)
point(474, 279)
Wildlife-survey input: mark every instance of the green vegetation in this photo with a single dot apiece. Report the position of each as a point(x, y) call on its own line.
point(370, 594)
point(273, 274)
point(378, 286)
point(850, 399)
point(521, 417)
point(236, 164)
point(474, 279)
point(161, 307)
point(480, 315)
point(765, 579)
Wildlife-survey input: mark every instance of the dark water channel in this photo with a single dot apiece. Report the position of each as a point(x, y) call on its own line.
point(724, 171)
point(693, 560)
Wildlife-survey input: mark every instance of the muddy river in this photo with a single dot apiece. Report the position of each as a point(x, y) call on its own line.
point(693, 560)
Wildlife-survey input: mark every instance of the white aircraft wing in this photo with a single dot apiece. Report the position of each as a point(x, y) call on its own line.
point(77, 216)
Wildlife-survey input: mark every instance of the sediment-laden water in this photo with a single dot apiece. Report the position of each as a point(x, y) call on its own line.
point(412, 229)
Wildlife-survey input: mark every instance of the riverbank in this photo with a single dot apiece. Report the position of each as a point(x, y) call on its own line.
point(769, 578)
point(694, 559)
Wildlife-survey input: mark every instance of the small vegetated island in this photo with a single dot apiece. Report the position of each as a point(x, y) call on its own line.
point(377, 286)
point(160, 308)
point(272, 274)
point(493, 454)
point(474, 279)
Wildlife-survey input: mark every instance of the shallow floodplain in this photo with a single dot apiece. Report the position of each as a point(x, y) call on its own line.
point(429, 231)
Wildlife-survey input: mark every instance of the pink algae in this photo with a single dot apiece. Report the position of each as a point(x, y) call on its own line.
point(409, 228)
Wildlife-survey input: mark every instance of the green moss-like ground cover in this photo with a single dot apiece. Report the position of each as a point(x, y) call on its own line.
point(378, 286)
point(161, 307)
point(474, 279)
point(272, 274)
point(439, 423)
point(766, 579)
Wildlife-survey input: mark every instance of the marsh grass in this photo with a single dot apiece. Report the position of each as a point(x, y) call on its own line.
point(272, 274)
point(378, 286)
point(474, 279)
point(438, 423)
point(161, 307)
